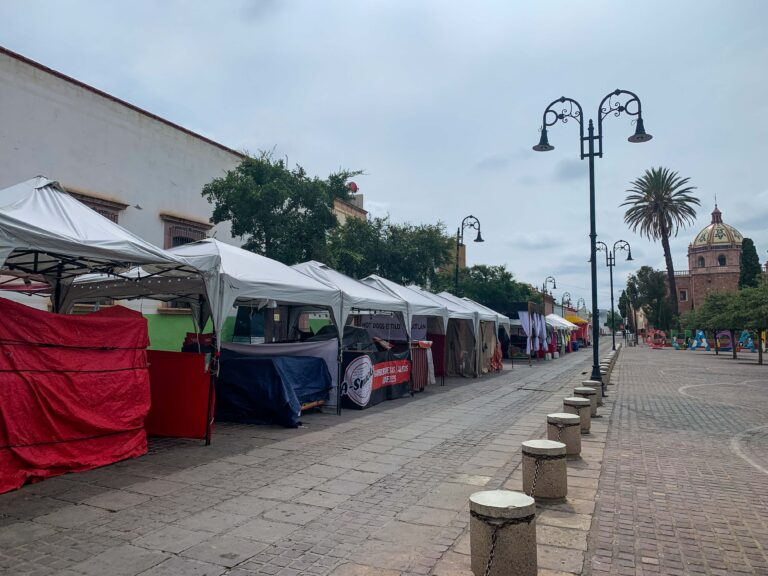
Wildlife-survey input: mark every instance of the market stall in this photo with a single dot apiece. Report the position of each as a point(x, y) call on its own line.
point(229, 277)
point(422, 314)
point(486, 327)
point(75, 391)
point(454, 353)
point(368, 376)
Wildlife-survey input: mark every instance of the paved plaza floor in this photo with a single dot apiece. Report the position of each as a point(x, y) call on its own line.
point(672, 481)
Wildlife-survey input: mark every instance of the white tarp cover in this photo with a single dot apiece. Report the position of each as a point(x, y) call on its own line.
point(354, 294)
point(46, 232)
point(457, 311)
point(557, 321)
point(500, 318)
point(231, 276)
point(482, 314)
point(418, 303)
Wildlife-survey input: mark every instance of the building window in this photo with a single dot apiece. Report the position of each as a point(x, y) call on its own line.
point(700, 262)
point(180, 231)
point(683, 295)
point(107, 208)
point(721, 260)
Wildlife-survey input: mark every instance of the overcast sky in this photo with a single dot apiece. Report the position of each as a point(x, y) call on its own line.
point(440, 102)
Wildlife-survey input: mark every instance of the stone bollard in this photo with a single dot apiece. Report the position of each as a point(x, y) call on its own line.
point(502, 533)
point(605, 374)
point(565, 428)
point(590, 394)
point(545, 476)
point(598, 388)
point(580, 406)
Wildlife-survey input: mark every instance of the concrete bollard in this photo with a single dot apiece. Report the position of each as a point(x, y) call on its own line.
point(502, 533)
point(597, 386)
point(565, 428)
point(580, 406)
point(590, 394)
point(605, 374)
point(545, 476)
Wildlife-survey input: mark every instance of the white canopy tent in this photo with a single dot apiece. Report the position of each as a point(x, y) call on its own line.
point(560, 323)
point(488, 336)
point(354, 294)
point(418, 304)
point(46, 234)
point(501, 319)
point(456, 310)
point(231, 276)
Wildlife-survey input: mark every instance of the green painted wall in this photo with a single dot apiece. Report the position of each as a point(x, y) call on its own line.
point(167, 331)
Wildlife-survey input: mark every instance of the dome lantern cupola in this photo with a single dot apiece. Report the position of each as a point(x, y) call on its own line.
point(717, 233)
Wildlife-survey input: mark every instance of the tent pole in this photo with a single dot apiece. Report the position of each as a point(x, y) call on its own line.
point(213, 368)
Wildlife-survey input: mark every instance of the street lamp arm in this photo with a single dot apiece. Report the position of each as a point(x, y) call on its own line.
point(619, 106)
point(566, 105)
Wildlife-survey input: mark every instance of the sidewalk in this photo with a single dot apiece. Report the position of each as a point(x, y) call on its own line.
point(684, 484)
point(382, 491)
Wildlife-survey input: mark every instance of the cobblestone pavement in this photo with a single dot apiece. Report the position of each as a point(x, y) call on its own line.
point(377, 492)
point(684, 483)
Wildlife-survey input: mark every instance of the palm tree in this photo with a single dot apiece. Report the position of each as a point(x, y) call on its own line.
point(660, 203)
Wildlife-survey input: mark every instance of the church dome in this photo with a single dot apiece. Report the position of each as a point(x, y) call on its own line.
point(717, 233)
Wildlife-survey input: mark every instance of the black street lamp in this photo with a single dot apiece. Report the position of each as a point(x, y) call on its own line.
point(565, 298)
point(610, 261)
point(548, 280)
point(468, 222)
point(616, 103)
point(580, 303)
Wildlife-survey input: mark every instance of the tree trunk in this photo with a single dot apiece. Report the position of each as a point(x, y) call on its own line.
point(760, 346)
point(733, 343)
point(670, 270)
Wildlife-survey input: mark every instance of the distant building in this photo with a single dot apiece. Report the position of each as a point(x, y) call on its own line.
point(714, 259)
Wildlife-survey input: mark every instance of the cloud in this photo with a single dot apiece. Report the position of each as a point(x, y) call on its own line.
point(493, 163)
point(535, 241)
point(568, 170)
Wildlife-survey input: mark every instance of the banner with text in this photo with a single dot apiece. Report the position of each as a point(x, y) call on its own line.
point(391, 328)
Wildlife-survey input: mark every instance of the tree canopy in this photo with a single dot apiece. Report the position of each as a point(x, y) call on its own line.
point(750, 271)
point(651, 289)
point(492, 286)
point(280, 213)
point(746, 308)
point(403, 253)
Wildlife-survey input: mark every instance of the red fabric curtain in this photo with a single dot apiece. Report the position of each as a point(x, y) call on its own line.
point(74, 391)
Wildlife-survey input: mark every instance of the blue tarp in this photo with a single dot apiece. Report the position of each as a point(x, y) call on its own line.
point(268, 390)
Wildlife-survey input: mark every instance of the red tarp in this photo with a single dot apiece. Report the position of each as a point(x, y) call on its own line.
point(180, 387)
point(74, 391)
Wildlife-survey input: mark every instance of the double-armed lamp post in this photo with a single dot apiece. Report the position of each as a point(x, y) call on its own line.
point(610, 261)
point(565, 299)
point(468, 222)
point(548, 280)
point(563, 109)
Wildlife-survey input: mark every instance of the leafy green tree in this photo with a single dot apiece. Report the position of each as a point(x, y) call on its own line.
point(652, 296)
point(281, 213)
point(625, 309)
point(633, 296)
point(750, 272)
point(614, 320)
point(659, 204)
point(414, 253)
point(403, 253)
